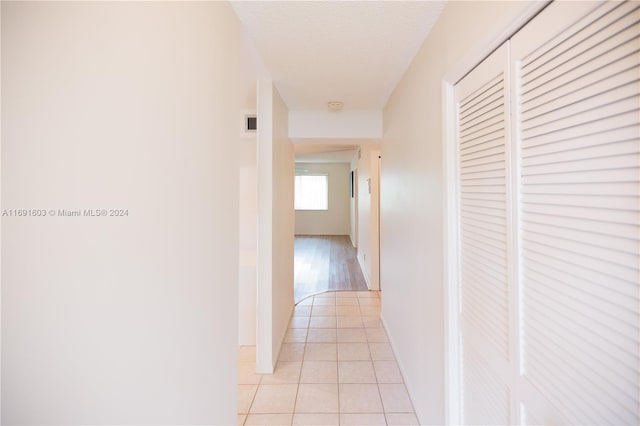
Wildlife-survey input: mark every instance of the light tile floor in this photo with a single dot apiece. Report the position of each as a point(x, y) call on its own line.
point(336, 367)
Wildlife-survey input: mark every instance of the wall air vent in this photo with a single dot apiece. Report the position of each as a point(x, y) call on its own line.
point(249, 124)
point(252, 123)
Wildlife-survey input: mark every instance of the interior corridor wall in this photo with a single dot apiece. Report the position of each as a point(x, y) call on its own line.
point(275, 226)
point(248, 221)
point(120, 319)
point(252, 70)
point(412, 273)
point(367, 213)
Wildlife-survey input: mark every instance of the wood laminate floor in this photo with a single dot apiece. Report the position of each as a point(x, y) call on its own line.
point(325, 263)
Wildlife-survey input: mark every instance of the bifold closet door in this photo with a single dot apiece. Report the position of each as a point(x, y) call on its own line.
point(484, 231)
point(576, 78)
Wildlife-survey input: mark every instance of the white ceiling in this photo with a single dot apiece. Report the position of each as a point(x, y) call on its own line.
point(350, 51)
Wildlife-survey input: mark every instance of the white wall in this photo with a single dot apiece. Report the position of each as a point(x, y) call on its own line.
point(353, 207)
point(283, 223)
point(252, 70)
point(348, 124)
point(335, 220)
point(248, 198)
point(367, 213)
point(248, 221)
point(275, 226)
point(412, 196)
point(120, 320)
point(373, 258)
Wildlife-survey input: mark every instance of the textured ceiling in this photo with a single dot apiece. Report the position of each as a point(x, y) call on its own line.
point(350, 51)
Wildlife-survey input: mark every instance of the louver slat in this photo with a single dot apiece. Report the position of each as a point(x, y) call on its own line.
point(483, 247)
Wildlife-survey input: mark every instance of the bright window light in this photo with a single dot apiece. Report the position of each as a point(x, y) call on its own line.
point(312, 192)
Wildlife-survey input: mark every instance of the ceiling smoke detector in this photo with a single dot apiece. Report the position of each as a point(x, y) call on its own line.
point(335, 106)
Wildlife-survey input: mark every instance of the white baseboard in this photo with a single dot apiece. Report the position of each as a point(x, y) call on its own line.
point(364, 273)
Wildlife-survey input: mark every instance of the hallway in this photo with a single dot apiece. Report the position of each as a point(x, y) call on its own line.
point(325, 263)
point(489, 176)
point(336, 368)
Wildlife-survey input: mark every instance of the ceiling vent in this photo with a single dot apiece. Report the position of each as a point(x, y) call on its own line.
point(335, 106)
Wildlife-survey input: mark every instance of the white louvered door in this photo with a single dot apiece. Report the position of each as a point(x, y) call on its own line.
point(483, 149)
point(577, 79)
point(549, 222)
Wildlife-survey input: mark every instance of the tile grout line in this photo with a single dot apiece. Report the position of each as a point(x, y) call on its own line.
point(251, 405)
point(304, 351)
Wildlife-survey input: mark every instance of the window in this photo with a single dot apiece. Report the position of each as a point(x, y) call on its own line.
point(312, 192)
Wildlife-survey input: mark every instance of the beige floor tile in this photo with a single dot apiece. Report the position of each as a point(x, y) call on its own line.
point(317, 398)
point(381, 352)
point(376, 335)
point(247, 374)
point(323, 311)
point(372, 321)
point(269, 419)
point(402, 419)
point(291, 352)
point(322, 322)
point(347, 301)
point(350, 322)
point(336, 359)
point(246, 393)
point(369, 301)
point(321, 335)
point(247, 354)
point(274, 399)
point(321, 352)
point(353, 352)
point(323, 301)
point(346, 294)
point(387, 372)
point(319, 372)
point(362, 420)
point(286, 372)
point(299, 322)
point(303, 419)
point(370, 310)
point(352, 335)
point(395, 398)
point(302, 311)
point(295, 335)
point(360, 398)
point(347, 311)
point(356, 372)
point(326, 295)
